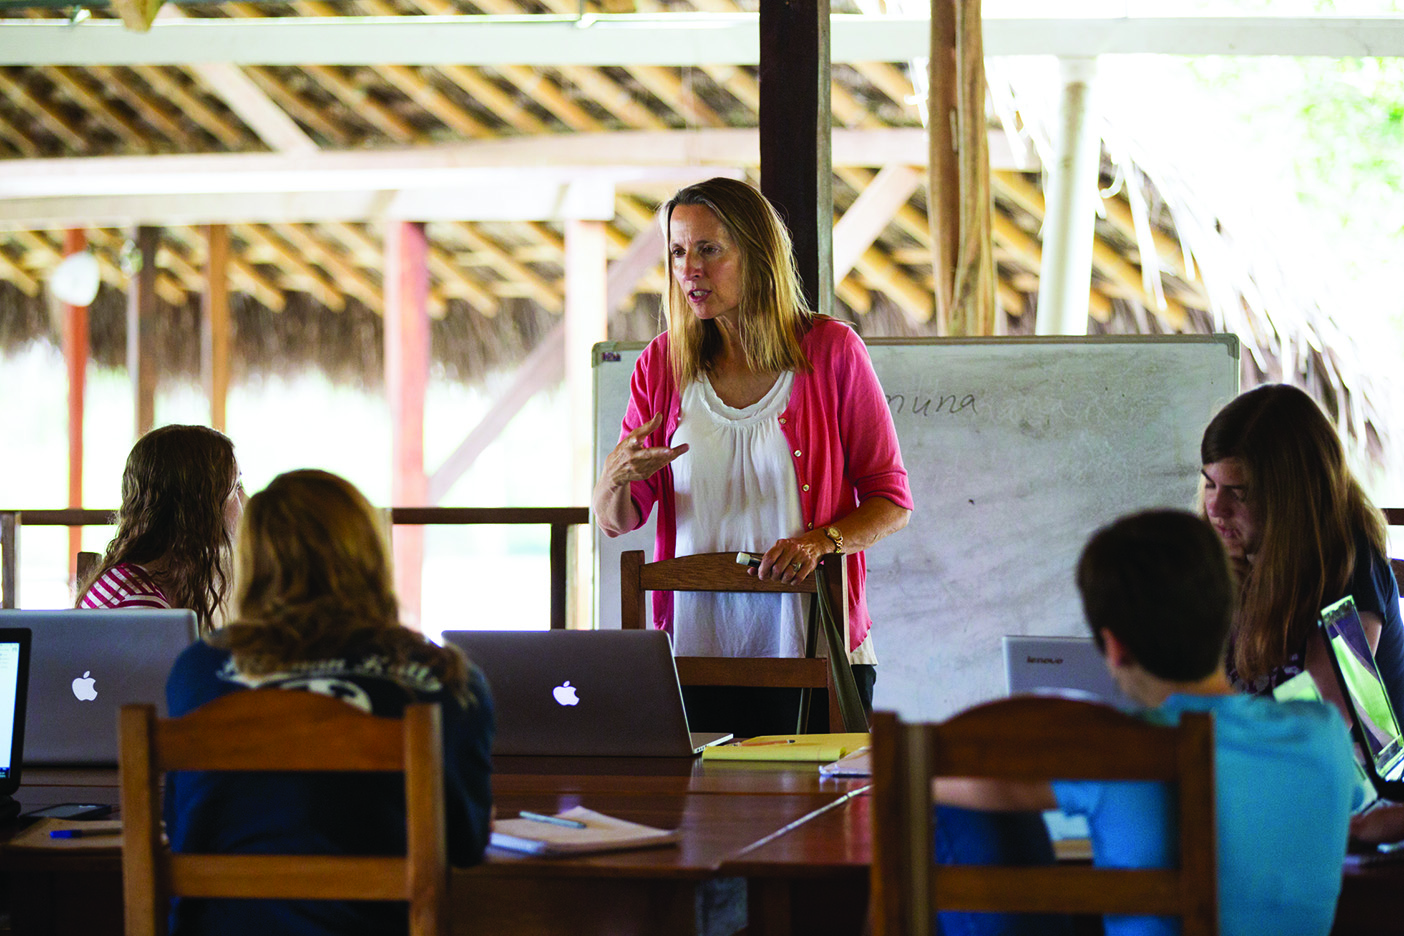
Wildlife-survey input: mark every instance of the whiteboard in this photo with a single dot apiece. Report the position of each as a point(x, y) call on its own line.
point(1017, 449)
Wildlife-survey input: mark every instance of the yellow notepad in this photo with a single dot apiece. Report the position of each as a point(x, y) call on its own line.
point(818, 748)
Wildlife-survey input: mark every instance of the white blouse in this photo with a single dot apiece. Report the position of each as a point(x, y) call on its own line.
point(735, 490)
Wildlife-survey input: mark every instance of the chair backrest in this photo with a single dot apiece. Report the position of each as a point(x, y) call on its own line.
point(1034, 739)
point(283, 730)
point(720, 572)
point(715, 572)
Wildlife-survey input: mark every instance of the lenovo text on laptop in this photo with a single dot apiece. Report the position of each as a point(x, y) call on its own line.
point(84, 666)
point(1062, 665)
point(583, 693)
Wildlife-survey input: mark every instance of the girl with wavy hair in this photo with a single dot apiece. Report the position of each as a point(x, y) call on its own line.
point(1301, 534)
point(315, 611)
point(181, 499)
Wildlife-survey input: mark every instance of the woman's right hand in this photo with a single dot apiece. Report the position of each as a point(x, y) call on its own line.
point(632, 460)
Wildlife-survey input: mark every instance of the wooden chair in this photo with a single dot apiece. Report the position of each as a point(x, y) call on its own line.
point(1027, 738)
point(720, 572)
point(274, 729)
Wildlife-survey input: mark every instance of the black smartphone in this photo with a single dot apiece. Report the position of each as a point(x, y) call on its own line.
point(70, 811)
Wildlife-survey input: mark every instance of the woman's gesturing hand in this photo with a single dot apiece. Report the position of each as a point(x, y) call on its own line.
point(631, 460)
point(634, 460)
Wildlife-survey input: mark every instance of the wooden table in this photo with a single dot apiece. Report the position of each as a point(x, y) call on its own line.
point(722, 809)
point(774, 848)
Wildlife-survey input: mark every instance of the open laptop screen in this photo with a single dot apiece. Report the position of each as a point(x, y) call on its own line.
point(1364, 689)
point(14, 670)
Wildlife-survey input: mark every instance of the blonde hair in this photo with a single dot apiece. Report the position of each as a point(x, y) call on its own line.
point(314, 581)
point(773, 315)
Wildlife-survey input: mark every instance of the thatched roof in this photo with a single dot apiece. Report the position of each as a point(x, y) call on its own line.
point(309, 295)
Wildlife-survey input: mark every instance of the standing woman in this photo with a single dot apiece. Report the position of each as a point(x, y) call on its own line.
point(753, 424)
point(1301, 533)
point(181, 499)
point(315, 611)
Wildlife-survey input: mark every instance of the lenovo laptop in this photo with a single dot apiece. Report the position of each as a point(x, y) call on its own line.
point(584, 693)
point(14, 687)
point(84, 666)
point(1068, 666)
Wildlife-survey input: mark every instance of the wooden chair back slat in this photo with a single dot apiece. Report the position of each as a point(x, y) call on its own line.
point(280, 730)
point(1055, 890)
point(738, 671)
point(1038, 739)
point(720, 572)
point(298, 735)
point(287, 877)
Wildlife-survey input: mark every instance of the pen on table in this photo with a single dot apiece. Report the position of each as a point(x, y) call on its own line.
point(553, 820)
point(81, 833)
point(764, 743)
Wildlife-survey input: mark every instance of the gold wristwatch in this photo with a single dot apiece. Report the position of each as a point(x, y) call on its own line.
point(833, 534)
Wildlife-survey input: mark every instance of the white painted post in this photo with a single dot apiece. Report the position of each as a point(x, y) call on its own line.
point(586, 322)
point(1065, 275)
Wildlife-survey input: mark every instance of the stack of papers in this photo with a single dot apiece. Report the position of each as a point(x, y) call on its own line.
point(601, 834)
point(857, 763)
point(815, 748)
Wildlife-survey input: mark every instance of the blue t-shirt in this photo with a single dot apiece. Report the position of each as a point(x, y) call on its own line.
point(1285, 782)
point(322, 813)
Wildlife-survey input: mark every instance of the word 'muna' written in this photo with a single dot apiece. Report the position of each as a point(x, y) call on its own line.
point(919, 405)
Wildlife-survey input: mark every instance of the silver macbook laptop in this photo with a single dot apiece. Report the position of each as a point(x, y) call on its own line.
point(84, 666)
point(584, 693)
point(1065, 665)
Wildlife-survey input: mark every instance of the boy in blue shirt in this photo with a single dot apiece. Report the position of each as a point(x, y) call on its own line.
point(1158, 597)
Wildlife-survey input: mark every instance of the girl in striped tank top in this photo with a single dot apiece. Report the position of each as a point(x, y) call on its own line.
point(181, 500)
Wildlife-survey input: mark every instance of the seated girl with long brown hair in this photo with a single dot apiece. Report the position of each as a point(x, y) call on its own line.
point(314, 610)
point(181, 499)
point(1301, 534)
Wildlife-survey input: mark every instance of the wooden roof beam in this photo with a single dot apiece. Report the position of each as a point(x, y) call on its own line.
point(144, 104)
point(73, 86)
point(669, 40)
point(193, 107)
point(44, 112)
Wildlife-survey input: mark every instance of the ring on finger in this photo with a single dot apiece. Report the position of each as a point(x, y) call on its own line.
point(797, 565)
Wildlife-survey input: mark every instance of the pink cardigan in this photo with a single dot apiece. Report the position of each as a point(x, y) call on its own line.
point(840, 432)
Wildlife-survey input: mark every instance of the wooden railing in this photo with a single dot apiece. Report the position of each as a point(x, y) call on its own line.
point(559, 519)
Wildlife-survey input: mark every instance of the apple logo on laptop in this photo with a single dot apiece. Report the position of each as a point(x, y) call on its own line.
point(565, 694)
point(83, 689)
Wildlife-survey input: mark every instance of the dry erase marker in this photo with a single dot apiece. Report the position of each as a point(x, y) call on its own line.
point(553, 820)
point(80, 833)
point(748, 559)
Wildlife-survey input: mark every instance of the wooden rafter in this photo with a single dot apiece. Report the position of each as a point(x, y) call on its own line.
point(44, 112)
point(74, 84)
point(145, 105)
point(307, 277)
point(192, 106)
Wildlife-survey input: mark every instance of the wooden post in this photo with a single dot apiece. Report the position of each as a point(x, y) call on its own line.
point(141, 330)
point(214, 324)
point(406, 382)
point(959, 206)
point(796, 124)
point(75, 355)
point(9, 559)
point(586, 322)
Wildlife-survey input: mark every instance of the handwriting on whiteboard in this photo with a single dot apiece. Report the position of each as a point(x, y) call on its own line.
point(918, 405)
